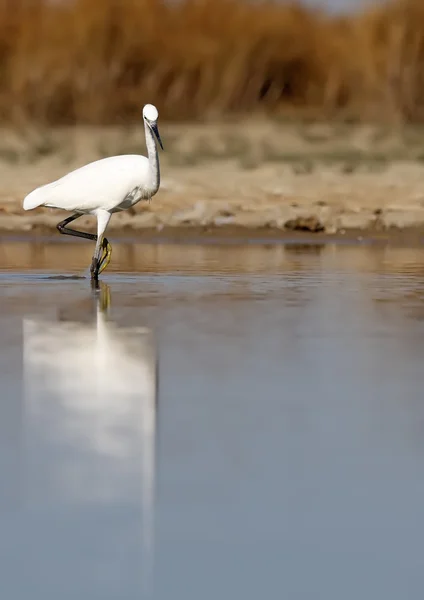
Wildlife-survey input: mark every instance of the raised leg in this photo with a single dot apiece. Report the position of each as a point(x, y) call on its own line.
point(62, 227)
point(103, 249)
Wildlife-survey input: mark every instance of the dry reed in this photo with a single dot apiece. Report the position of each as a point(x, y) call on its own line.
point(98, 61)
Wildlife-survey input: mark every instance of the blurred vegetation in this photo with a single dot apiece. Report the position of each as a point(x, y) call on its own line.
point(99, 61)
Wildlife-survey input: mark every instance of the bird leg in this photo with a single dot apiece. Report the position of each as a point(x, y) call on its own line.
point(62, 227)
point(94, 269)
point(95, 285)
point(99, 263)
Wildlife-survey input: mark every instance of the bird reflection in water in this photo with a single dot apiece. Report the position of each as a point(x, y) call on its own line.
point(90, 408)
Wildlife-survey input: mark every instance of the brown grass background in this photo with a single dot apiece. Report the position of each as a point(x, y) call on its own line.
point(99, 61)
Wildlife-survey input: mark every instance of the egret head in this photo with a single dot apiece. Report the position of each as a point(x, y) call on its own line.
point(150, 116)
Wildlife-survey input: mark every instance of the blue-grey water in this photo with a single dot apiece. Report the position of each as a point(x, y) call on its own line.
point(214, 422)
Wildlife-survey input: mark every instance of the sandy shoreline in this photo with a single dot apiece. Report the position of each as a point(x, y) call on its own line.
point(321, 183)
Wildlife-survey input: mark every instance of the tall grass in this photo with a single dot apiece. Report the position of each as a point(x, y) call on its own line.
point(98, 61)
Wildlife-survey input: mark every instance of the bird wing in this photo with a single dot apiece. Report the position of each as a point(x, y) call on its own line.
point(100, 184)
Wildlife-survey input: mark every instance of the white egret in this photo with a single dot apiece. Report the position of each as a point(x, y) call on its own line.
point(102, 188)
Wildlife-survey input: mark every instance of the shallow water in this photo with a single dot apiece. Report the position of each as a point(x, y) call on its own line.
point(214, 422)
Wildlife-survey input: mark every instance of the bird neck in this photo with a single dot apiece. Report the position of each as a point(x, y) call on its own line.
point(152, 153)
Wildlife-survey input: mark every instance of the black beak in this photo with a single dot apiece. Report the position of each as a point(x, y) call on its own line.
point(155, 130)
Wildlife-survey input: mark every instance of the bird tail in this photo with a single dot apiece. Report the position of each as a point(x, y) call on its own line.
point(33, 199)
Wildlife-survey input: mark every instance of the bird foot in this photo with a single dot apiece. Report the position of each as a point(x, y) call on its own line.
point(99, 265)
point(106, 256)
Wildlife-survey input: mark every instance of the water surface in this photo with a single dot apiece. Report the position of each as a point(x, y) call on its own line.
point(229, 421)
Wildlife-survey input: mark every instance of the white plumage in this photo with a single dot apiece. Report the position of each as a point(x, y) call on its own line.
point(105, 184)
point(102, 188)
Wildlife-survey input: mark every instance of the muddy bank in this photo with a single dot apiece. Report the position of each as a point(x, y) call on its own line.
point(410, 236)
point(228, 235)
point(226, 183)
